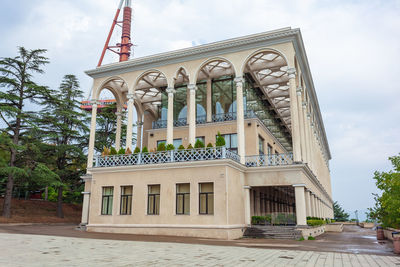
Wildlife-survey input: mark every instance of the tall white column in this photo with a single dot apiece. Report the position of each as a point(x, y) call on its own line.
point(240, 118)
point(300, 204)
point(209, 100)
point(170, 117)
point(129, 124)
point(312, 198)
point(308, 202)
point(139, 134)
point(92, 134)
point(192, 119)
point(307, 133)
point(247, 206)
point(85, 208)
point(118, 130)
point(294, 116)
point(299, 93)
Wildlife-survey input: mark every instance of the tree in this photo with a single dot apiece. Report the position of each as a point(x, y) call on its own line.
point(63, 126)
point(17, 89)
point(387, 205)
point(106, 124)
point(339, 214)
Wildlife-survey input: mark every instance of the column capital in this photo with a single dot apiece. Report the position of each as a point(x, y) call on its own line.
point(239, 80)
point(299, 185)
point(130, 97)
point(170, 90)
point(192, 87)
point(246, 187)
point(299, 90)
point(94, 102)
point(291, 73)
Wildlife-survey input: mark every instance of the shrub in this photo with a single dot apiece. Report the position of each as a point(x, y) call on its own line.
point(190, 146)
point(181, 147)
point(315, 222)
point(128, 151)
point(209, 145)
point(113, 151)
point(198, 144)
point(105, 152)
point(121, 151)
point(145, 150)
point(170, 147)
point(332, 221)
point(261, 219)
point(137, 150)
point(220, 140)
point(301, 239)
point(311, 238)
point(161, 147)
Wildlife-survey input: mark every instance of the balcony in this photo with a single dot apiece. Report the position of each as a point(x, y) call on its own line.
point(184, 155)
point(269, 160)
point(221, 117)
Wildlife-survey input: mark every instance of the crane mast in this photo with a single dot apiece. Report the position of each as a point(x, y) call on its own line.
point(123, 49)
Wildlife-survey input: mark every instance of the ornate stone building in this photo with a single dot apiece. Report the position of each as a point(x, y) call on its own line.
point(257, 92)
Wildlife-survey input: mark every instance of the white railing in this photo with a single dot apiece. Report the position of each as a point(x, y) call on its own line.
point(269, 160)
point(184, 155)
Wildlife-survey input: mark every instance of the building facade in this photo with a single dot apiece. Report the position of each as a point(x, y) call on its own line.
point(257, 92)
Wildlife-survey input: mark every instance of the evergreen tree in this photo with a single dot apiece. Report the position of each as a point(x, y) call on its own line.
point(17, 89)
point(339, 214)
point(63, 126)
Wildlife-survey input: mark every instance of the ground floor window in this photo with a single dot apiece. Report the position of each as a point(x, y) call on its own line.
point(153, 200)
point(206, 198)
point(126, 200)
point(107, 200)
point(183, 199)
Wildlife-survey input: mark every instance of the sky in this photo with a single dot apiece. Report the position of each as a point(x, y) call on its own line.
point(353, 48)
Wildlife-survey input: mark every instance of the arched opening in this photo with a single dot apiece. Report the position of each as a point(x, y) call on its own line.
point(266, 93)
point(216, 91)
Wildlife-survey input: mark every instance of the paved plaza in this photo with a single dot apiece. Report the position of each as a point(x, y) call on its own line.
point(45, 250)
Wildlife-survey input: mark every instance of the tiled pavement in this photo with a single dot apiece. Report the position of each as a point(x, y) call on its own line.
point(40, 250)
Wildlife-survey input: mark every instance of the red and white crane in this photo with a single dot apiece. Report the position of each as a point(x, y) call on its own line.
point(123, 49)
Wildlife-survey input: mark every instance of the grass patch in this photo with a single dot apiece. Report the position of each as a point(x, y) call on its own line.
point(301, 239)
point(311, 238)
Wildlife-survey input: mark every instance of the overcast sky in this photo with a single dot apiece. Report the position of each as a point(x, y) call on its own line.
point(353, 49)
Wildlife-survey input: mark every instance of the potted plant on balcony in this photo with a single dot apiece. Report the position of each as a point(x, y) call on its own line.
point(219, 144)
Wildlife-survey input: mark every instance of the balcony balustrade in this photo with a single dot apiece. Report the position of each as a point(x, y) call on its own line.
point(269, 160)
point(184, 155)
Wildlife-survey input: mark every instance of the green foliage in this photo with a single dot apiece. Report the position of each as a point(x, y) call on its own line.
point(190, 146)
point(145, 150)
point(220, 140)
point(161, 147)
point(198, 144)
point(311, 238)
point(181, 147)
point(113, 151)
point(301, 239)
point(128, 151)
point(106, 152)
point(315, 222)
point(170, 147)
point(209, 145)
point(261, 220)
point(137, 150)
point(121, 151)
point(387, 205)
point(339, 214)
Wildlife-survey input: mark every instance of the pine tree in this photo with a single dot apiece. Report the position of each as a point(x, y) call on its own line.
point(339, 214)
point(63, 126)
point(17, 89)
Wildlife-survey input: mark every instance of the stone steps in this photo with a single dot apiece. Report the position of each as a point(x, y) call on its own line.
point(273, 232)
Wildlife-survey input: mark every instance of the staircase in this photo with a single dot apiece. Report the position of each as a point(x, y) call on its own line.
point(272, 232)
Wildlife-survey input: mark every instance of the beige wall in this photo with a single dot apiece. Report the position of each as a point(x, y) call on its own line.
point(228, 199)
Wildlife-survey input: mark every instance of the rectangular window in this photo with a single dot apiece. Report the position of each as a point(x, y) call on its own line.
point(260, 145)
point(230, 141)
point(269, 149)
point(126, 200)
point(153, 200)
point(177, 143)
point(183, 199)
point(107, 200)
point(206, 198)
